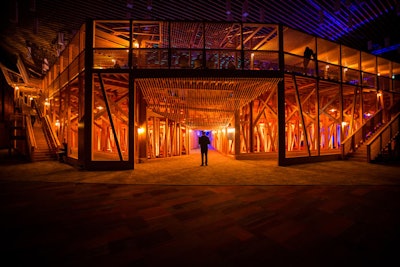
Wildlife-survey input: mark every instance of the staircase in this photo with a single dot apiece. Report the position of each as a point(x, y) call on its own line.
point(381, 143)
point(358, 150)
point(385, 146)
point(391, 152)
point(355, 146)
point(360, 154)
point(42, 151)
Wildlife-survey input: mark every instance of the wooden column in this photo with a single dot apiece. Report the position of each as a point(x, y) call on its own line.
point(85, 130)
point(281, 124)
point(317, 120)
point(166, 138)
point(237, 132)
point(68, 127)
point(281, 104)
point(156, 136)
point(142, 140)
point(251, 129)
point(187, 140)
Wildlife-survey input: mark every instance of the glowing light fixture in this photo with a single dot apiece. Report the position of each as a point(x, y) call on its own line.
point(245, 10)
point(228, 9)
point(129, 4)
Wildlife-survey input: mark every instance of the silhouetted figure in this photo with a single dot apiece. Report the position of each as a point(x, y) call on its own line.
point(63, 151)
point(33, 116)
point(211, 63)
point(308, 53)
point(204, 141)
point(116, 65)
point(183, 61)
point(197, 64)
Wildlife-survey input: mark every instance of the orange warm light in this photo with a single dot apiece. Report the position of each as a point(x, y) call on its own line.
point(189, 100)
point(231, 130)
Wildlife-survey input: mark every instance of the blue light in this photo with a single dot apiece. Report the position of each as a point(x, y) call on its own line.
point(337, 27)
point(385, 50)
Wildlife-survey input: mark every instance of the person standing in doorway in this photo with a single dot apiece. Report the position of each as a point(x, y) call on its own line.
point(204, 141)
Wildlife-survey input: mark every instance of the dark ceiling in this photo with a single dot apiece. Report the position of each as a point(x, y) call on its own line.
point(371, 26)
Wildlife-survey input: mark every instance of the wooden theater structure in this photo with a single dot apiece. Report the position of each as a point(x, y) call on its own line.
point(126, 91)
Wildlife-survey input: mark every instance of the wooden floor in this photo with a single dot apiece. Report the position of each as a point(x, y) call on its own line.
point(65, 224)
point(105, 224)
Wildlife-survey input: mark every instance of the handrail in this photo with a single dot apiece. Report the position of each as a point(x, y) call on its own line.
point(394, 109)
point(54, 142)
point(38, 108)
point(362, 134)
point(384, 136)
point(30, 137)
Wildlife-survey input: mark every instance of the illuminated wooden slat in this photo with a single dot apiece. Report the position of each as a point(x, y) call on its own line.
point(204, 102)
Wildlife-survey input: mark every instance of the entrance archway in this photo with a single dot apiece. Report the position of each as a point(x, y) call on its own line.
point(230, 108)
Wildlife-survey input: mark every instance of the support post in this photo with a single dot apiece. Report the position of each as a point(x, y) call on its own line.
point(237, 132)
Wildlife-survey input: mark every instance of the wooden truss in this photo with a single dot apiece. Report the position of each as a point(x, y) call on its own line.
point(203, 102)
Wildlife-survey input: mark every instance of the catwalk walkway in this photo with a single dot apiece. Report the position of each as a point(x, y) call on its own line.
point(173, 212)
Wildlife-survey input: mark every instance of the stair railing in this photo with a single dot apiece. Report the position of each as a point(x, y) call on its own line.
point(51, 135)
point(382, 139)
point(30, 137)
point(351, 143)
point(53, 142)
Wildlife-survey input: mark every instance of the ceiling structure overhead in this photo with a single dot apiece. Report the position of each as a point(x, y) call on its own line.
point(36, 31)
point(203, 102)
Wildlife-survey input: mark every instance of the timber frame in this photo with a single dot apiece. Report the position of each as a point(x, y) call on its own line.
point(127, 91)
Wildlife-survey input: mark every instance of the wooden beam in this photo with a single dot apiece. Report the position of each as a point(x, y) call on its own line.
point(301, 115)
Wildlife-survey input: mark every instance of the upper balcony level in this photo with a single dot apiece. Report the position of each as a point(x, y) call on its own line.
point(132, 44)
